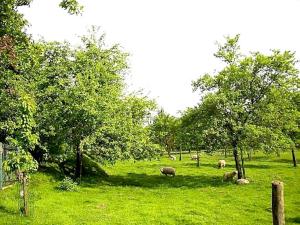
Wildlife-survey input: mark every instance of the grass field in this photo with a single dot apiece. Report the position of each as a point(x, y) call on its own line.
point(135, 193)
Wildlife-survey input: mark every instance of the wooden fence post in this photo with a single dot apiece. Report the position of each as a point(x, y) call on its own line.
point(1, 166)
point(278, 203)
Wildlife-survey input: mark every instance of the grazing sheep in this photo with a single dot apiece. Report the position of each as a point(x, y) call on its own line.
point(242, 181)
point(172, 157)
point(221, 164)
point(194, 157)
point(167, 171)
point(229, 175)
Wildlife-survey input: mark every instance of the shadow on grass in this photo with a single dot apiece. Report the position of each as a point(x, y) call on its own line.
point(56, 174)
point(6, 210)
point(290, 161)
point(259, 166)
point(156, 181)
point(208, 165)
point(293, 220)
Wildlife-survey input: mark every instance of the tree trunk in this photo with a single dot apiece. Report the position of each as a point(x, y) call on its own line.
point(25, 195)
point(78, 171)
point(225, 152)
point(294, 158)
point(243, 168)
point(278, 203)
point(24, 208)
point(236, 159)
point(180, 154)
point(198, 159)
point(250, 155)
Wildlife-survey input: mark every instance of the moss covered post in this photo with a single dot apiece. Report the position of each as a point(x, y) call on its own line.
point(1, 166)
point(278, 203)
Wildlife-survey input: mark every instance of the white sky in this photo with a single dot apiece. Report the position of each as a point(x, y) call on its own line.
point(171, 42)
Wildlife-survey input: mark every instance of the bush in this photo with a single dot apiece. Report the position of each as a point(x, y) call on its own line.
point(67, 184)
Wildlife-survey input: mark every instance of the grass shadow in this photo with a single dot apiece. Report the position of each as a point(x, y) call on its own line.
point(261, 166)
point(293, 220)
point(290, 161)
point(6, 210)
point(157, 181)
point(55, 173)
point(205, 164)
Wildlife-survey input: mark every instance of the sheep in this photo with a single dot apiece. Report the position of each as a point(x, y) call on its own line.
point(221, 164)
point(229, 175)
point(194, 157)
point(242, 181)
point(168, 171)
point(172, 157)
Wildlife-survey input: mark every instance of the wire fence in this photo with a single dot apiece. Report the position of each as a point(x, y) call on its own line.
point(5, 178)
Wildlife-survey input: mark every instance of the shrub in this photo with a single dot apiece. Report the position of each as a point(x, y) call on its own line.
point(67, 184)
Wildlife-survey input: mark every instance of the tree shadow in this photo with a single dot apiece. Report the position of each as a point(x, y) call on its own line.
point(259, 158)
point(157, 181)
point(55, 173)
point(293, 220)
point(290, 161)
point(208, 165)
point(262, 166)
point(7, 211)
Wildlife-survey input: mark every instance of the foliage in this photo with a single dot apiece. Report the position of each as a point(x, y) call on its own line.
point(244, 92)
point(20, 162)
point(67, 184)
point(72, 6)
point(164, 131)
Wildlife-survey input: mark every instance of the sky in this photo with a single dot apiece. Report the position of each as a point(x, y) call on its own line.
point(172, 42)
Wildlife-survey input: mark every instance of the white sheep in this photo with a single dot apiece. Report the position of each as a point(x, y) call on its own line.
point(172, 157)
point(168, 171)
point(194, 157)
point(242, 181)
point(229, 175)
point(221, 163)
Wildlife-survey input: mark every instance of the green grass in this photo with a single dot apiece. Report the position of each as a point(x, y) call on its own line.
point(136, 193)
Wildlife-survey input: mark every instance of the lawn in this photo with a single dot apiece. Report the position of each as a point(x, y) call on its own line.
point(136, 193)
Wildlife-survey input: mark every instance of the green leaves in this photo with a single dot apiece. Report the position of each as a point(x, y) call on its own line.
point(72, 6)
point(229, 51)
point(250, 91)
point(20, 161)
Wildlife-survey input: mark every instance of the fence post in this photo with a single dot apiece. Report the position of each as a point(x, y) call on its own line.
point(1, 166)
point(278, 203)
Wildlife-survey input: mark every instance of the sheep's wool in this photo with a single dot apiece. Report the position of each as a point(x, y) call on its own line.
point(242, 181)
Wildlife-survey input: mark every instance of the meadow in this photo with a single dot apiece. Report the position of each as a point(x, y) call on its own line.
point(136, 193)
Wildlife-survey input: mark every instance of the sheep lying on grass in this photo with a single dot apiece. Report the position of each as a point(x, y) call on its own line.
point(229, 176)
point(172, 157)
point(194, 157)
point(242, 181)
point(221, 164)
point(168, 171)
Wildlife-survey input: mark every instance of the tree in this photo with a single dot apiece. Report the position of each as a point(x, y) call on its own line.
point(17, 75)
point(82, 107)
point(199, 131)
point(164, 130)
point(244, 87)
point(21, 163)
